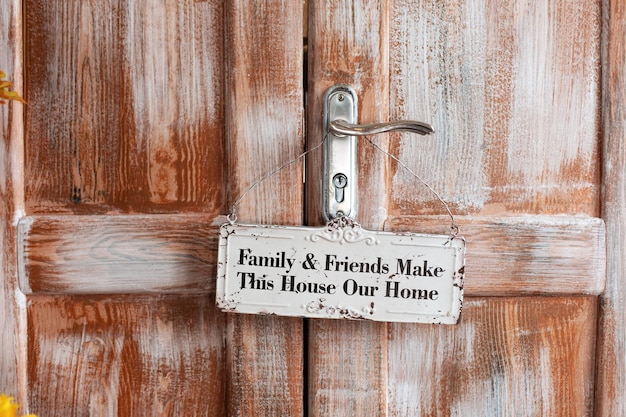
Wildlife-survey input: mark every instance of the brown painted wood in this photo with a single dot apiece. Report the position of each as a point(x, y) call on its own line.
point(13, 375)
point(178, 107)
point(522, 356)
point(611, 362)
point(543, 255)
point(134, 108)
point(127, 356)
point(348, 42)
point(352, 378)
point(513, 91)
point(264, 130)
point(66, 254)
point(126, 114)
point(126, 106)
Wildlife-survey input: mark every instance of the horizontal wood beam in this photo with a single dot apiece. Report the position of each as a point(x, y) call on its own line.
point(64, 254)
point(526, 255)
point(118, 254)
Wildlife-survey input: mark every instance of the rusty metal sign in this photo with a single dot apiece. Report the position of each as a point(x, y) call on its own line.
point(340, 271)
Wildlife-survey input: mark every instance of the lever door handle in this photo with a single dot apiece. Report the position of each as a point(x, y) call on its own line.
point(340, 130)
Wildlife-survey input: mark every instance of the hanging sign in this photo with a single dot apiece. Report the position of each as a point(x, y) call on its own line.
point(340, 271)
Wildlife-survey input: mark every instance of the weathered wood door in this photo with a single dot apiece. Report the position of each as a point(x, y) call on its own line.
point(147, 119)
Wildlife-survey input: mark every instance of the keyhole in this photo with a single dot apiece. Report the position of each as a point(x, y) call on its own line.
point(340, 181)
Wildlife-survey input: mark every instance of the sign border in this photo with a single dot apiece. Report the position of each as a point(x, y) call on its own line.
point(340, 232)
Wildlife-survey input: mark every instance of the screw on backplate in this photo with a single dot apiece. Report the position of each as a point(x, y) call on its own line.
point(340, 181)
point(341, 97)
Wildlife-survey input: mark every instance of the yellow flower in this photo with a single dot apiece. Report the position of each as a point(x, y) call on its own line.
point(8, 408)
point(5, 94)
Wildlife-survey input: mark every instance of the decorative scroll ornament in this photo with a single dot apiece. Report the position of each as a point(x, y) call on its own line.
point(344, 230)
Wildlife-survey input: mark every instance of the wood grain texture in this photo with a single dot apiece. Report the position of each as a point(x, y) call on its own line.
point(611, 362)
point(126, 106)
point(61, 254)
point(523, 356)
point(347, 368)
point(67, 254)
point(348, 43)
point(13, 359)
point(264, 130)
point(513, 91)
point(127, 356)
point(542, 255)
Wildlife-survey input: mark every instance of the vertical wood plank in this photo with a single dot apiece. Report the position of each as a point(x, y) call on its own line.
point(519, 356)
point(347, 368)
point(13, 379)
point(348, 43)
point(611, 372)
point(126, 106)
point(127, 356)
point(264, 113)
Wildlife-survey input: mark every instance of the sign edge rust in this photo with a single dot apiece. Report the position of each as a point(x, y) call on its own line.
point(339, 234)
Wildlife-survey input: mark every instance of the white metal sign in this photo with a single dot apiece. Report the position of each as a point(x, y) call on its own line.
point(340, 271)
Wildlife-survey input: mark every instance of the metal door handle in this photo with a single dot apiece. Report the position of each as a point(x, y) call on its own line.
point(341, 128)
point(339, 133)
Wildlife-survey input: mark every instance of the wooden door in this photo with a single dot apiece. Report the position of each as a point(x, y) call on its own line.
point(525, 100)
point(147, 119)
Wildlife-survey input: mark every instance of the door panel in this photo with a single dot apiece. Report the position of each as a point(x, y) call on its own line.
point(126, 356)
point(124, 116)
point(512, 356)
point(146, 120)
point(513, 91)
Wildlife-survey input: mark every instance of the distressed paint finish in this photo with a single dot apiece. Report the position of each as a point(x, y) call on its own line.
point(512, 89)
point(13, 377)
point(541, 255)
point(157, 107)
point(350, 379)
point(348, 42)
point(264, 130)
point(611, 362)
point(521, 356)
point(65, 254)
point(124, 116)
point(138, 355)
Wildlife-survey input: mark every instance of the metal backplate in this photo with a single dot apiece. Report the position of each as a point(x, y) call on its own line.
point(339, 179)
